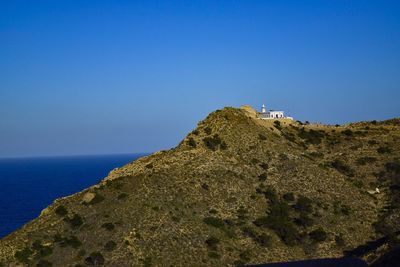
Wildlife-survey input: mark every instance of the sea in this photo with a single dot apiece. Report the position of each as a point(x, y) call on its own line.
point(28, 185)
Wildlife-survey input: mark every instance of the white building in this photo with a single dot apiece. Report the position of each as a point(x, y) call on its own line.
point(272, 114)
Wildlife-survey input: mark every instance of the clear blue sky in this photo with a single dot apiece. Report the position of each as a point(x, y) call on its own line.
point(95, 77)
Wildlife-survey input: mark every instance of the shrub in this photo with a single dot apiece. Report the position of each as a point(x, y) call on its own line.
point(23, 255)
point(262, 137)
point(289, 136)
point(208, 130)
point(393, 167)
point(204, 186)
point(384, 150)
point(245, 256)
point(213, 255)
point(41, 250)
point(271, 195)
point(347, 132)
point(262, 177)
point(288, 196)
point(71, 241)
point(339, 241)
point(318, 235)
point(372, 142)
point(108, 226)
point(264, 240)
point(303, 204)
point(279, 221)
point(277, 125)
point(122, 196)
point(212, 142)
point(191, 142)
point(214, 221)
point(341, 167)
point(212, 242)
point(61, 210)
point(242, 213)
point(311, 136)
point(44, 263)
point(97, 199)
point(223, 145)
point(75, 221)
point(304, 220)
point(110, 246)
point(95, 259)
point(339, 208)
point(264, 166)
point(365, 160)
point(149, 166)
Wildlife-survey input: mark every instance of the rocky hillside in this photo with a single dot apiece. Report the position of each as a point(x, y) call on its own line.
point(237, 190)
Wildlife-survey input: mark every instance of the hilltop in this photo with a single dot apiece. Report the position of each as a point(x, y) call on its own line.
point(237, 190)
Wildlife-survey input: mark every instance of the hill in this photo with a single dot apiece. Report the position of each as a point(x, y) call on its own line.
point(237, 190)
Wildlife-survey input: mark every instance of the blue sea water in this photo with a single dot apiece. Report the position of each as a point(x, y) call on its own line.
point(28, 185)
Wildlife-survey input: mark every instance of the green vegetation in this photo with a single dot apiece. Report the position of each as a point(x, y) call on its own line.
point(108, 226)
point(268, 191)
point(384, 150)
point(61, 210)
point(214, 221)
point(110, 246)
point(214, 142)
point(342, 167)
point(23, 255)
point(191, 142)
point(277, 125)
point(347, 132)
point(95, 259)
point(311, 136)
point(279, 221)
point(262, 177)
point(97, 199)
point(303, 204)
point(75, 222)
point(288, 196)
point(44, 263)
point(71, 241)
point(122, 196)
point(212, 243)
point(339, 241)
point(262, 137)
point(41, 250)
point(365, 160)
point(318, 235)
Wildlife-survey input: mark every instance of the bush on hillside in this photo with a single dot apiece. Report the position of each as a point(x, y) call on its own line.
point(279, 221)
point(212, 243)
point(95, 259)
point(110, 246)
point(61, 210)
point(365, 160)
point(44, 263)
point(384, 150)
point(214, 221)
point(191, 142)
point(342, 167)
point(311, 136)
point(288, 196)
point(303, 204)
point(262, 137)
point(318, 235)
point(75, 221)
point(108, 226)
point(214, 142)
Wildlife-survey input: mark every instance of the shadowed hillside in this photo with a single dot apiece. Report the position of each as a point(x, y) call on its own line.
point(237, 190)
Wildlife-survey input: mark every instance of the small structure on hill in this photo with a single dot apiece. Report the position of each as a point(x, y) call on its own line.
point(272, 114)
